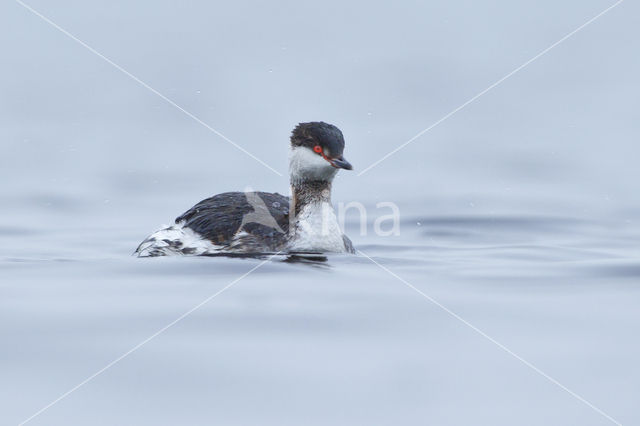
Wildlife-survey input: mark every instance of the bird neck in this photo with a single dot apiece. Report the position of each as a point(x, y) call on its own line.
point(309, 192)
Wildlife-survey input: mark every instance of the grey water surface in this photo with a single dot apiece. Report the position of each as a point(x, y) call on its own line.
point(510, 295)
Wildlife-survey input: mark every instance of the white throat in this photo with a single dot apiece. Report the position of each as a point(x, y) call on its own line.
point(304, 164)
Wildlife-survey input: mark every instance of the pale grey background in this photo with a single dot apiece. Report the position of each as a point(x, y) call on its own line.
point(520, 212)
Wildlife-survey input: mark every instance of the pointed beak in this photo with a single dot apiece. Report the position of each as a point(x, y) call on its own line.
point(341, 163)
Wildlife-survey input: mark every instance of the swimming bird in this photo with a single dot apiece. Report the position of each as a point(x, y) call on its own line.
point(264, 222)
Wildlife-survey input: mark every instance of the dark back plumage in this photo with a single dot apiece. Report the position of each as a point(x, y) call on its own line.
point(220, 217)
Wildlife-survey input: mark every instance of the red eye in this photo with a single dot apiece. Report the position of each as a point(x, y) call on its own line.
point(317, 149)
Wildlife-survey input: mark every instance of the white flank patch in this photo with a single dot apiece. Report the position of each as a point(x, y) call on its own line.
point(176, 240)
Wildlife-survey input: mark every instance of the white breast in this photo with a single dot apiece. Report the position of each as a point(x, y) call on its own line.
point(317, 229)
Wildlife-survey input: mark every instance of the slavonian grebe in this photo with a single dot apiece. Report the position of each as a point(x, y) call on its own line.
point(263, 222)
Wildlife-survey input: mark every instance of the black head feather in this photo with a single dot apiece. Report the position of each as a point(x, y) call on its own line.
point(328, 136)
